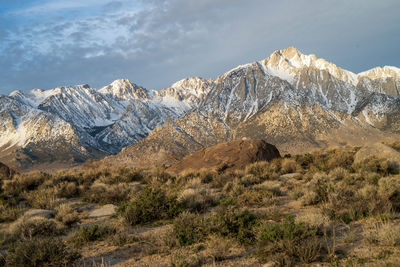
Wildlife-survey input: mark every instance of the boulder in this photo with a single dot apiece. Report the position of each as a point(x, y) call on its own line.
point(231, 155)
point(289, 176)
point(104, 211)
point(39, 212)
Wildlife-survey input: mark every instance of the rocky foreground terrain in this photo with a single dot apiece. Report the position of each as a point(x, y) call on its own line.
point(297, 102)
point(335, 207)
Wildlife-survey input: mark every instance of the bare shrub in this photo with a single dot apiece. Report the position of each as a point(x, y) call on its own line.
point(257, 168)
point(30, 181)
point(159, 175)
point(275, 166)
point(10, 213)
point(287, 238)
point(250, 179)
point(368, 192)
point(40, 252)
point(389, 188)
point(108, 194)
point(189, 228)
point(194, 183)
point(310, 198)
point(272, 186)
point(256, 197)
point(296, 195)
point(34, 227)
point(318, 191)
point(372, 178)
point(373, 164)
point(235, 223)
point(220, 181)
point(315, 219)
point(67, 190)
point(233, 188)
point(150, 205)
point(67, 215)
point(91, 233)
point(22, 183)
point(338, 173)
point(340, 158)
point(290, 166)
point(183, 258)
point(218, 248)
point(383, 233)
point(347, 204)
point(199, 198)
point(121, 238)
point(45, 198)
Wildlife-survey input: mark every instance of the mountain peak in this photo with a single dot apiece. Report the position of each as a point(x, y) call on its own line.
point(125, 89)
point(289, 52)
point(287, 62)
point(381, 72)
point(187, 80)
point(292, 57)
point(122, 82)
point(195, 85)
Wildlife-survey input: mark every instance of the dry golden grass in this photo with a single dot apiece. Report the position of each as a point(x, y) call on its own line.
point(67, 215)
point(290, 166)
point(382, 233)
point(340, 210)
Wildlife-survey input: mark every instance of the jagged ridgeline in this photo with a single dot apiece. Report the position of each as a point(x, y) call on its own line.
point(297, 102)
point(76, 123)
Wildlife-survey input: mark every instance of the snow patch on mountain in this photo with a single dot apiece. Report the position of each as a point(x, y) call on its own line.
point(379, 72)
point(123, 113)
point(108, 119)
point(33, 97)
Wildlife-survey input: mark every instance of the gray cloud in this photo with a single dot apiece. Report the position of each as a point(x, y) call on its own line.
point(172, 39)
point(112, 6)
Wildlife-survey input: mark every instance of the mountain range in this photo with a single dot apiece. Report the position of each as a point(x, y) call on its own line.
point(297, 102)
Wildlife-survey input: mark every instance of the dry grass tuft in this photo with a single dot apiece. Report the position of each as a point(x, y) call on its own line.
point(383, 233)
point(67, 215)
point(290, 166)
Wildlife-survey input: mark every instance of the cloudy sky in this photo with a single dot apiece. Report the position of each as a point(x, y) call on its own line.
point(49, 43)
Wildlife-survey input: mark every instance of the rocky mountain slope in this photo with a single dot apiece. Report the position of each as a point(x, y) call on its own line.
point(75, 123)
point(297, 102)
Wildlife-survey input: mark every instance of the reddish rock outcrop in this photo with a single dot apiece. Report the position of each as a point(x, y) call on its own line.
point(233, 155)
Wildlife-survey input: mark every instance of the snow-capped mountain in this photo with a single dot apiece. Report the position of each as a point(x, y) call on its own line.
point(295, 101)
point(100, 121)
point(298, 102)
